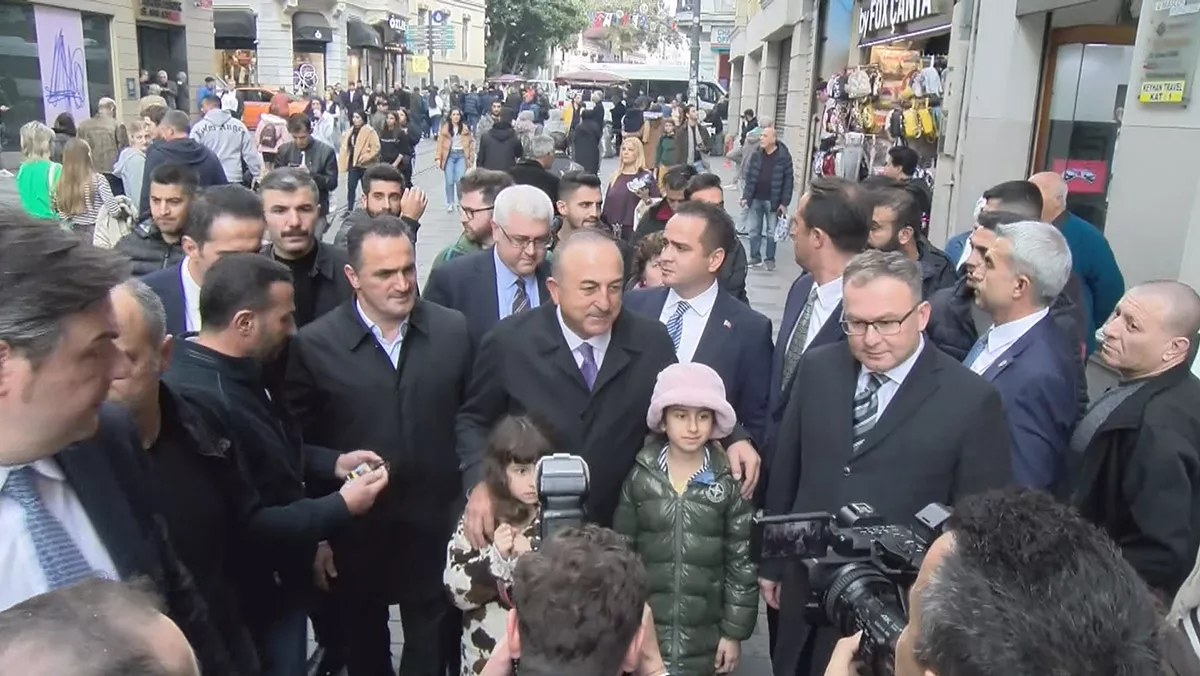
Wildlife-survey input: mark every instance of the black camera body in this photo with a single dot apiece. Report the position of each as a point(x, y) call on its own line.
point(859, 568)
point(563, 481)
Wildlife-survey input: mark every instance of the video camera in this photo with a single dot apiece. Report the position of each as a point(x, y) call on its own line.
point(562, 485)
point(859, 568)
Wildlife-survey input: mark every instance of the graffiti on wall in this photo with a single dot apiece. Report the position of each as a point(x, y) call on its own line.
point(62, 62)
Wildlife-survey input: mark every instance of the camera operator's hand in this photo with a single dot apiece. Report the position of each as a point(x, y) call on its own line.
point(842, 662)
point(728, 653)
point(360, 493)
point(505, 538)
point(413, 203)
point(500, 663)
point(347, 462)
point(770, 592)
point(744, 462)
point(478, 518)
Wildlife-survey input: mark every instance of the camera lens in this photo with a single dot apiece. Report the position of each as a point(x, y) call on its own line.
point(861, 597)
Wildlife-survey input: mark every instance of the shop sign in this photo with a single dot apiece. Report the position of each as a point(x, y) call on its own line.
point(721, 36)
point(395, 22)
point(875, 16)
point(161, 10)
point(1163, 91)
point(420, 64)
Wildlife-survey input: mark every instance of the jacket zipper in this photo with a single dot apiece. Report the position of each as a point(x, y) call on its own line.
point(677, 643)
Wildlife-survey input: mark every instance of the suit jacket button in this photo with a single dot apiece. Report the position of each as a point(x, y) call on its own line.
point(846, 471)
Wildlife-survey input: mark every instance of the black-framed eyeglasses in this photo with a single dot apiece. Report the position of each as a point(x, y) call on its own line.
point(523, 243)
point(470, 213)
point(885, 327)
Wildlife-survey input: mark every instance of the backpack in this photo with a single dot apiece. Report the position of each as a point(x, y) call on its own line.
point(912, 124)
point(895, 124)
point(836, 89)
point(858, 84)
point(925, 117)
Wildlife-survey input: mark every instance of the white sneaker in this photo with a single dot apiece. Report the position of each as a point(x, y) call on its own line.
point(450, 208)
point(6, 173)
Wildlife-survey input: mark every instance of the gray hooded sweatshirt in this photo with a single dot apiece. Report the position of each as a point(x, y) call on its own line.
point(228, 139)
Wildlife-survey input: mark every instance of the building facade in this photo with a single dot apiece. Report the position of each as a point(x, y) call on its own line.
point(64, 56)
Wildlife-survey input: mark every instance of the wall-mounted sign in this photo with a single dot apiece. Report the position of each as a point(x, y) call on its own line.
point(395, 22)
point(170, 11)
point(721, 36)
point(1170, 61)
point(1162, 91)
point(439, 16)
point(877, 16)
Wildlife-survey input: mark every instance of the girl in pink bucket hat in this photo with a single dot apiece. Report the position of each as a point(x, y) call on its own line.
point(683, 513)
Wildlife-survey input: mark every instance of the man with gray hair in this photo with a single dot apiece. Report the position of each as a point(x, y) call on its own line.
point(508, 279)
point(175, 147)
point(1024, 353)
point(922, 428)
point(535, 169)
point(105, 135)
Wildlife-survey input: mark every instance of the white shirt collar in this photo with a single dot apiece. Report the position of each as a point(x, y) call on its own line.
point(191, 296)
point(702, 304)
point(1000, 337)
point(900, 371)
point(599, 343)
point(374, 328)
point(829, 294)
point(45, 467)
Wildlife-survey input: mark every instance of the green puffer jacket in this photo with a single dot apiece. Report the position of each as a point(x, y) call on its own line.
point(696, 549)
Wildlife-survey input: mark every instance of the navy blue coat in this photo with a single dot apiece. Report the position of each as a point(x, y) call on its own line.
point(780, 391)
point(169, 287)
point(468, 284)
point(1038, 379)
point(783, 180)
point(736, 343)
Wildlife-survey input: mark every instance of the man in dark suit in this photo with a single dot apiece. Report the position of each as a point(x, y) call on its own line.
point(510, 278)
point(830, 226)
point(72, 493)
point(290, 207)
point(1024, 353)
point(882, 418)
point(387, 371)
point(584, 369)
point(707, 324)
point(535, 170)
point(225, 219)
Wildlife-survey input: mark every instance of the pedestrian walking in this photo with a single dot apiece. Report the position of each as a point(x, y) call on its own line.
point(38, 173)
point(478, 577)
point(360, 149)
point(454, 154)
point(81, 194)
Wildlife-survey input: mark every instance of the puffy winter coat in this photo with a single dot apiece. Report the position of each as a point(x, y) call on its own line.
point(696, 549)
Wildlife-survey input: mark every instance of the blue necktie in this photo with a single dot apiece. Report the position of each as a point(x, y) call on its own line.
point(675, 323)
point(589, 368)
point(60, 559)
point(977, 349)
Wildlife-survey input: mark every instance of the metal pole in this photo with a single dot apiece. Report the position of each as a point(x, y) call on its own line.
point(694, 71)
point(430, 36)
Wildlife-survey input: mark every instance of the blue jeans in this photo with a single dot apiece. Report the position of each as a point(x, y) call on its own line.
point(283, 644)
point(456, 166)
point(760, 224)
point(435, 123)
point(353, 178)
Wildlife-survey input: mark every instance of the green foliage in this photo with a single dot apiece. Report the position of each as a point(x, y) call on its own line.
point(625, 38)
point(522, 35)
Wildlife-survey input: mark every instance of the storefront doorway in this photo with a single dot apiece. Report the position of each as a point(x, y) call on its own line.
point(162, 48)
point(1084, 82)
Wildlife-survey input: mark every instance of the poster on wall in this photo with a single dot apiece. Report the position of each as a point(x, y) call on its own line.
point(1085, 177)
point(61, 61)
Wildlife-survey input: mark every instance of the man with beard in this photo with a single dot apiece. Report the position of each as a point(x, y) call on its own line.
point(896, 226)
point(387, 371)
point(156, 242)
point(383, 193)
point(579, 203)
point(318, 158)
point(479, 188)
point(290, 206)
point(247, 312)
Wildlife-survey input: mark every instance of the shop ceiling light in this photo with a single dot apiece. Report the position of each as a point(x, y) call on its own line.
point(906, 36)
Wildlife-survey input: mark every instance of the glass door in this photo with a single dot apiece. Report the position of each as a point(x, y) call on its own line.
point(1083, 98)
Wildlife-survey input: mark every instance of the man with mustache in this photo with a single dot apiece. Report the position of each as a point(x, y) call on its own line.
point(387, 371)
point(291, 206)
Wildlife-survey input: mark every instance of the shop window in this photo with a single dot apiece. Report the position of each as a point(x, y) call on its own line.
point(20, 79)
point(785, 67)
point(97, 40)
point(237, 67)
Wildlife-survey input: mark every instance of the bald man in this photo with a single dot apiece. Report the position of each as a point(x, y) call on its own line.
point(583, 368)
point(1138, 446)
point(1092, 258)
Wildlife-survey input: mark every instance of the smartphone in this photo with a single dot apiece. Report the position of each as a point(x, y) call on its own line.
point(791, 536)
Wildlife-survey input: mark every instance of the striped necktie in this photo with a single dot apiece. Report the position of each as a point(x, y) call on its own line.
point(675, 323)
point(795, 348)
point(520, 298)
point(977, 349)
point(866, 406)
point(57, 554)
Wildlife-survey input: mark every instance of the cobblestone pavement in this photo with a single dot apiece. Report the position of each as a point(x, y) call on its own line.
point(439, 228)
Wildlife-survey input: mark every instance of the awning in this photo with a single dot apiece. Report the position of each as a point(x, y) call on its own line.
point(360, 35)
point(311, 26)
point(235, 24)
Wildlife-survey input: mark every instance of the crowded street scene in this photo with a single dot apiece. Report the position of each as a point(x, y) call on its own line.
point(486, 338)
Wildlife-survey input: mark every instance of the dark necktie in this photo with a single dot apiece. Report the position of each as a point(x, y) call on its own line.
point(520, 298)
point(795, 348)
point(588, 368)
point(866, 406)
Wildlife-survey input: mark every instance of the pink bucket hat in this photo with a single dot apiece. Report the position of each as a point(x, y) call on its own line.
point(694, 385)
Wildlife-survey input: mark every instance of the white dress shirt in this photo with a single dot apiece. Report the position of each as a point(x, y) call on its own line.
point(390, 347)
point(829, 295)
point(23, 577)
point(694, 320)
point(599, 343)
point(1000, 338)
point(191, 297)
point(892, 380)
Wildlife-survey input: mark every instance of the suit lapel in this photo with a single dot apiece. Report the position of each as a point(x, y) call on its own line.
point(1014, 351)
point(103, 500)
point(553, 346)
point(831, 330)
point(543, 273)
point(491, 301)
point(791, 314)
point(718, 327)
point(916, 388)
point(839, 391)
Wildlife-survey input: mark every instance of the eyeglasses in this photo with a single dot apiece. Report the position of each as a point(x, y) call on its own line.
point(886, 327)
point(524, 243)
point(470, 213)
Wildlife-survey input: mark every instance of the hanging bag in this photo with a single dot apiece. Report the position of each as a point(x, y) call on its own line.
point(928, 125)
point(912, 124)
